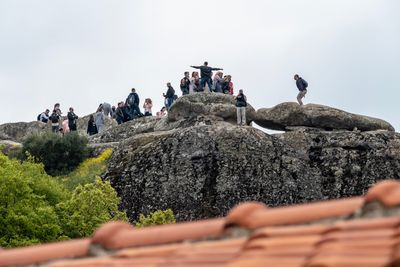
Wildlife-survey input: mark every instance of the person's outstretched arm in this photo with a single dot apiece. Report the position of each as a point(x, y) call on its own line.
point(216, 69)
point(196, 67)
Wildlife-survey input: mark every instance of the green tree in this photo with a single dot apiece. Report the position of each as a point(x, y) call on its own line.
point(59, 154)
point(36, 208)
point(90, 206)
point(27, 199)
point(158, 217)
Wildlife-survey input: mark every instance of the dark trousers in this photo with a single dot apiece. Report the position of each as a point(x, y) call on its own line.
point(135, 111)
point(204, 81)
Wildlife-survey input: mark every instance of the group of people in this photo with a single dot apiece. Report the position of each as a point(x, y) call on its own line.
point(129, 109)
point(59, 124)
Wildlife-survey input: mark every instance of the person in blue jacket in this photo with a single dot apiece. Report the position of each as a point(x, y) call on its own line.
point(302, 86)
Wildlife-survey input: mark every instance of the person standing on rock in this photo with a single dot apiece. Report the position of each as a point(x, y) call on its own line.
point(205, 73)
point(107, 109)
point(241, 104)
point(302, 86)
point(147, 106)
point(194, 82)
point(100, 119)
point(55, 121)
point(185, 82)
point(169, 96)
point(72, 119)
point(91, 129)
point(133, 102)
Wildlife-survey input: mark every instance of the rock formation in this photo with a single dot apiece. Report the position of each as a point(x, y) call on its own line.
point(290, 114)
point(197, 162)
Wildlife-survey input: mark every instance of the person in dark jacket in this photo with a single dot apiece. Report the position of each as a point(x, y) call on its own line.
point(205, 73)
point(241, 104)
point(169, 96)
point(72, 119)
point(185, 83)
point(119, 113)
point(55, 121)
point(92, 128)
point(302, 86)
point(133, 102)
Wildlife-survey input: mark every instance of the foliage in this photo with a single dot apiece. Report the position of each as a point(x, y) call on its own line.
point(59, 154)
point(36, 208)
point(156, 218)
point(27, 199)
point(87, 171)
point(90, 205)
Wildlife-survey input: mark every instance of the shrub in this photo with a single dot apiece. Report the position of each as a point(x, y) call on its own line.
point(158, 217)
point(27, 199)
point(36, 208)
point(59, 154)
point(90, 206)
point(87, 171)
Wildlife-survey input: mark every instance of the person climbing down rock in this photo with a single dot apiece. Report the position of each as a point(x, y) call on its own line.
point(241, 104)
point(302, 86)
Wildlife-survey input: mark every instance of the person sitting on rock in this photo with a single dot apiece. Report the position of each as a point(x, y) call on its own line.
point(185, 82)
point(65, 126)
point(241, 103)
point(91, 128)
point(218, 82)
point(194, 85)
point(119, 113)
point(302, 86)
point(72, 117)
point(162, 113)
point(169, 96)
point(205, 73)
point(44, 116)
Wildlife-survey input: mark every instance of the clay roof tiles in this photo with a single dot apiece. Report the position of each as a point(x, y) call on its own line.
point(322, 234)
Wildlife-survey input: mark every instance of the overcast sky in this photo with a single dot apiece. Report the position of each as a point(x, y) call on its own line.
point(84, 52)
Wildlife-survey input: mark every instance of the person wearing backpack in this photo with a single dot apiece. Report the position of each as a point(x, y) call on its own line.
point(241, 104)
point(44, 116)
point(133, 102)
point(72, 119)
point(302, 86)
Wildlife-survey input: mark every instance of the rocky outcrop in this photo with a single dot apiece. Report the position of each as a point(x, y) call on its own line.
point(289, 114)
point(18, 131)
point(199, 163)
point(220, 106)
point(202, 171)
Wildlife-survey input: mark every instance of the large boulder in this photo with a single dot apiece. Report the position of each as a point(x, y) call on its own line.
point(203, 171)
point(346, 162)
point(220, 106)
point(18, 131)
point(286, 115)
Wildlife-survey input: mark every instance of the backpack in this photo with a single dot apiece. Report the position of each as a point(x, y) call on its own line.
point(305, 83)
point(131, 99)
point(38, 117)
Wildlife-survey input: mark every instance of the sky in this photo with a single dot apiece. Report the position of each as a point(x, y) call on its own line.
point(81, 53)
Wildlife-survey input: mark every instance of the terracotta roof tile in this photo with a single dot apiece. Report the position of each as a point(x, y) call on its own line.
point(269, 261)
point(387, 192)
point(301, 213)
point(108, 230)
point(363, 224)
point(236, 215)
point(282, 231)
point(44, 253)
point(348, 261)
point(163, 234)
point(265, 243)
